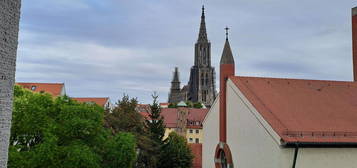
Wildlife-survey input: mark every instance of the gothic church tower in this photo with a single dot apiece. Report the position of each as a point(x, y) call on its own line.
point(202, 77)
point(201, 86)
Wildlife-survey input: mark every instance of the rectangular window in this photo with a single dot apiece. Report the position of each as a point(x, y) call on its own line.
point(191, 131)
point(197, 131)
point(191, 140)
point(197, 140)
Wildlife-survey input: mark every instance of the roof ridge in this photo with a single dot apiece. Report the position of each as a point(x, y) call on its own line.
point(297, 79)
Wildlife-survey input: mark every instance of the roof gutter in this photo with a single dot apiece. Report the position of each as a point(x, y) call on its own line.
point(320, 144)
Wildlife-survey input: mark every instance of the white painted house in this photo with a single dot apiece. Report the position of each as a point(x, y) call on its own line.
point(282, 123)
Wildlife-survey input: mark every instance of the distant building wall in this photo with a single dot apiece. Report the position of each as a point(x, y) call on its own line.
point(194, 134)
point(9, 28)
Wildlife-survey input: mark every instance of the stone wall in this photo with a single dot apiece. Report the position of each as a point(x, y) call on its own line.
point(9, 28)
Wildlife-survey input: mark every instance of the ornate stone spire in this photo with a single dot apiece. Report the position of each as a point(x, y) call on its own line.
point(202, 36)
point(227, 56)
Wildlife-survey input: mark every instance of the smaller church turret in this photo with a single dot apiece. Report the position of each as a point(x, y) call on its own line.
point(227, 69)
point(175, 90)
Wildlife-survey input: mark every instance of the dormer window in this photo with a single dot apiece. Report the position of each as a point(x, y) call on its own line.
point(33, 88)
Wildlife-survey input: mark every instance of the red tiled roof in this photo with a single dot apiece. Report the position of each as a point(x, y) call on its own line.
point(197, 152)
point(55, 89)
point(101, 101)
point(304, 110)
point(170, 117)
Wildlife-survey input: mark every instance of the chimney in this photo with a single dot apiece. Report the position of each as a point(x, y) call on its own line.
point(226, 70)
point(354, 42)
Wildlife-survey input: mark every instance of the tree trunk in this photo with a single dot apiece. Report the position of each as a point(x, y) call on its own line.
point(9, 29)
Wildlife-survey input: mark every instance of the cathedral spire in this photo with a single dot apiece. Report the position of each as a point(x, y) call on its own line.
point(202, 36)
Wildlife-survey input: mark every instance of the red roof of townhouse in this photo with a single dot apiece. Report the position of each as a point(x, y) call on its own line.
point(311, 111)
point(55, 89)
point(197, 152)
point(101, 101)
point(164, 105)
point(171, 115)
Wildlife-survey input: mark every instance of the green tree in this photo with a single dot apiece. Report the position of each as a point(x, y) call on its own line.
point(188, 103)
point(61, 133)
point(155, 122)
point(124, 118)
point(122, 151)
point(197, 105)
point(172, 105)
point(175, 153)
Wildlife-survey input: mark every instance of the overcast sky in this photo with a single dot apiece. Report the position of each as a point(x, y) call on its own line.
point(102, 48)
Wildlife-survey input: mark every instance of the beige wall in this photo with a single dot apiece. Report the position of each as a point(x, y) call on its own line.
point(210, 135)
point(168, 131)
point(194, 135)
point(189, 135)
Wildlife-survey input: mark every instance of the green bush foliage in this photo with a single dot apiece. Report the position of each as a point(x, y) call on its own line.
point(62, 133)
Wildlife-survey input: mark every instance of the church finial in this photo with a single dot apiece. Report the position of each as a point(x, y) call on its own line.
point(227, 56)
point(202, 36)
point(227, 29)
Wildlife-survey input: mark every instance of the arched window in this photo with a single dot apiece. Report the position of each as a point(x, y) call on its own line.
point(223, 159)
point(223, 156)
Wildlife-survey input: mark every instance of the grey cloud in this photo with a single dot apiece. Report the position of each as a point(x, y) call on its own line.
point(108, 48)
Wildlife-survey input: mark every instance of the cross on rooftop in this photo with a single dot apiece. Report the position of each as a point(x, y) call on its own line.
point(227, 29)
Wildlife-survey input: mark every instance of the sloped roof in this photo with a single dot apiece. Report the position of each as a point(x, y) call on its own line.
point(304, 110)
point(101, 101)
point(171, 115)
point(55, 89)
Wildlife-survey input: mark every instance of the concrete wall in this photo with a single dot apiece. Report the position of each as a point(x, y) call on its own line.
point(327, 157)
point(210, 135)
point(9, 28)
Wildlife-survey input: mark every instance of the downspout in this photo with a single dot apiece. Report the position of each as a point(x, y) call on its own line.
point(295, 154)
